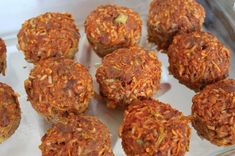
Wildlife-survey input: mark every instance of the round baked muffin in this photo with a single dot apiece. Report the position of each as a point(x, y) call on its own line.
point(49, 35)
point(166, 18)
point(213, 113)
point(9, 112)
point(153, 128)
point(3, 56)
point(81, 136)
point(128, 74)
point(111, 27)
point(198, 59)
point(57, 87)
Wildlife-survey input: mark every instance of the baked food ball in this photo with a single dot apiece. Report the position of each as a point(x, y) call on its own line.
point(111, 27)
point(81, 136)
point(48, 35)
point(3, 56)
point(57, 87)
point(9, 112)
point(198, 59)
point(213, 113)
point(166, 18)
point(151, 128)
point(128, 74)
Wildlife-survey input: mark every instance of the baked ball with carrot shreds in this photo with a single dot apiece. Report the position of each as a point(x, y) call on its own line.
point(110, 27)
point(198, 59)
point(80, 136)
point(49, 35)
point(3, 57)
point(9, 112)
point(128, 74)
point(151, 128)
point(57, 87)
point(166, 18)
point(213, 113)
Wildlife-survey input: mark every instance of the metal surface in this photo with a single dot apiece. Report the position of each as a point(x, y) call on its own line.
point(26, 139)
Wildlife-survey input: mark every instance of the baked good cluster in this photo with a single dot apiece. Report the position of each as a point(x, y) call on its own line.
point(60, 89)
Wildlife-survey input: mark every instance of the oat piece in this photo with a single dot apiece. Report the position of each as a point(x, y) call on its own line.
point(49, 35)
point(166, 18)
point(153, 128)
point(82, 136)
point(58, 87)
point(213, 113)
point(9, 112)
point(198, 59)
point(3, 56)
point(110, 27)
point(128, 74)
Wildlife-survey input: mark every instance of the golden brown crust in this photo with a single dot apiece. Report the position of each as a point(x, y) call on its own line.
point(48, 35)
point(213, 113)
point(110, 27)
point(128, 74)
point(57, 87)
point(3, 56)
point(167, 18)
point(197, 59)
point(9, 112)
point(81, 136)
point(153, 128)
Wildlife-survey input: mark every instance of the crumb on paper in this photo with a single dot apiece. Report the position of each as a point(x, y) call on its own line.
point(97, 65)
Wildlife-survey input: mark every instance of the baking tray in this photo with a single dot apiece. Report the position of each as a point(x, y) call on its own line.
point(27, 137)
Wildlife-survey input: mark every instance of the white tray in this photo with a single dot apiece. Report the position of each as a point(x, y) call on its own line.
point(27, 137)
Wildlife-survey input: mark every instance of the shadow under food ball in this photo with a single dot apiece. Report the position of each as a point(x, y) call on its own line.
point(213, 113)
point(151, 128)
point(80, 136)
point(128, 74)
point(49, 35)
point(166, 18)
point(198, 59)
point(111, 27)
point(57, 87)
point(10, 114)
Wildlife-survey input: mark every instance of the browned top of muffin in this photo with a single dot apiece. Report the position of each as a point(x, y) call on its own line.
point(153, 128)
point(9, 111)
point(198, 59)
point(81, 136)
point(129, 73)
point(58, 86)
point(48, 35)
point(171, 15)
point(3, 51)
point(113, 24)
point(213, 112)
